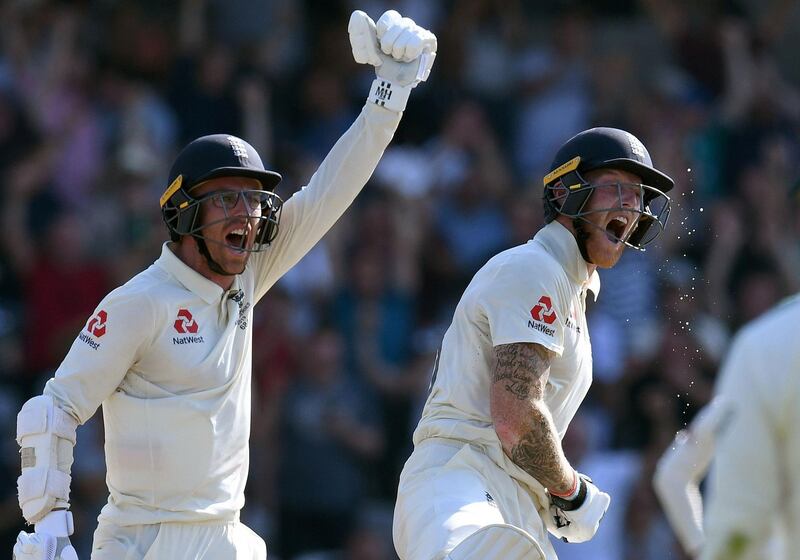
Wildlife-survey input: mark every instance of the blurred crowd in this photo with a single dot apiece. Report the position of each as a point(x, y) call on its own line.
point(97, 96)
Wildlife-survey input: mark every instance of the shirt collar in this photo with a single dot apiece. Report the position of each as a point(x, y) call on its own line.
point(559, 242)
point(209, 291)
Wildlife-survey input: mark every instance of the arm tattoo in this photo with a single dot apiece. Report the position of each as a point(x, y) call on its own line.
point(518, 383)
point(539, 454)
point(522, 368)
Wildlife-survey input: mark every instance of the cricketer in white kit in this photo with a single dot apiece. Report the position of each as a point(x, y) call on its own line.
point(686, 462)
point(488, 478)
point(754, 495)
point(168, 354)
point(681, 469)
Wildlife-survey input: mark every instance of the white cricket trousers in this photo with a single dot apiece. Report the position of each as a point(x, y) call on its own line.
point(447, 491)
point(217, 540)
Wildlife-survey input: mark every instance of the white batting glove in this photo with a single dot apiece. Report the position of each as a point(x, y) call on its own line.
point(576, 520)
point(50, 541)
point(401, 51)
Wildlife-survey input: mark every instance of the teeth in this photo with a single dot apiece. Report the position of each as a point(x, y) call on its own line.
point(239, 231)
point(622, 219)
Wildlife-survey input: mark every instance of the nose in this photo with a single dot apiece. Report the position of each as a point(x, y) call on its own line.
point(631, 197)
point(245, 206)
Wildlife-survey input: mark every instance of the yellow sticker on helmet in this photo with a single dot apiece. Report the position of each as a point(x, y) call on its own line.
point(562, 169)
point(174, 186)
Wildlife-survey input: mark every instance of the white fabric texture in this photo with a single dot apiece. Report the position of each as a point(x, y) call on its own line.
point(755, 476)
point(169, 355)
point(401, 51)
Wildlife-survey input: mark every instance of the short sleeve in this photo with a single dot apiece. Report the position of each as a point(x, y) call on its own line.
point(525, 303)
point(108, 345)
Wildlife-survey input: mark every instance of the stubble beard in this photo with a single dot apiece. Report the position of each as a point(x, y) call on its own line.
point(603, 252)
point(228, 263)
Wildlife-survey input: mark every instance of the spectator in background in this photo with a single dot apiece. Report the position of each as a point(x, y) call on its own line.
point(757, 286)
point(482, 42)
point(276, 358)
point(61, 283)
point(330, 439)
point(204, 94)
point(368, 539)
point(20, 138)
point(471, 223)
point(748, 269)
point(554, 102)
point(63, 104)
point(327, 111)
point(374, 311)
point(648, 533)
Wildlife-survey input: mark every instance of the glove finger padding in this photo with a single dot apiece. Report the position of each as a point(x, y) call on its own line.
point(406, 49)
point(42, 546)
point(402, 38)
point(407, 46)
point(579, 524)
point(363, 39)
point(34, 546)
point(390, 18)
point(389, 38)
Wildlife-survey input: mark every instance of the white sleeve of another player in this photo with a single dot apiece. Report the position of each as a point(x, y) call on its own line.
point(681, 468)
point(524, 303)
point(746, 492)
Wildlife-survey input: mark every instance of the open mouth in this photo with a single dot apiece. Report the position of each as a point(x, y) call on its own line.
point(236, 238)
point(615, 229)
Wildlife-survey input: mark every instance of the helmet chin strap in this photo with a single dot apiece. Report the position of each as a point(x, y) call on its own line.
point(582, 236)
point(212, 264)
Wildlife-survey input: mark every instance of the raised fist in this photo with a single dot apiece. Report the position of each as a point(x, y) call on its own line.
point(401, 51)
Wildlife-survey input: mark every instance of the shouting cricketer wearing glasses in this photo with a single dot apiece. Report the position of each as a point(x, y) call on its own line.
point(168, 354)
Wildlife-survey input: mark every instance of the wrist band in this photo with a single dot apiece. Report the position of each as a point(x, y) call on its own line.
point(574, 502)
point(572, 492)
point(386, 94)
point(58, 523)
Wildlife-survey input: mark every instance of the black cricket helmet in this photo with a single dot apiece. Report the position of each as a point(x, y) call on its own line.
point(209, 157)
point(566, 192)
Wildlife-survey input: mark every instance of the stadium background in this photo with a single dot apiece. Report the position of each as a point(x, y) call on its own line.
point(97, 96)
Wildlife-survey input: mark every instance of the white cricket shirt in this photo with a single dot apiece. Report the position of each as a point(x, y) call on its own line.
point(531, 293)
point(756, 470)
point(168, 355)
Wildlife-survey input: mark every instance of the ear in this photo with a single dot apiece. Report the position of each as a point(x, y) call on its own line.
point(558, 193)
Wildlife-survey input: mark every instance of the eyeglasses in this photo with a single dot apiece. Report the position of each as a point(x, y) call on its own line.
point(637, 190)
point(227, 200)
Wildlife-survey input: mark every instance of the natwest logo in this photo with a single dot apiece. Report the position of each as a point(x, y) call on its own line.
point(97, 324)
point(185, 323)
point(543, 311)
